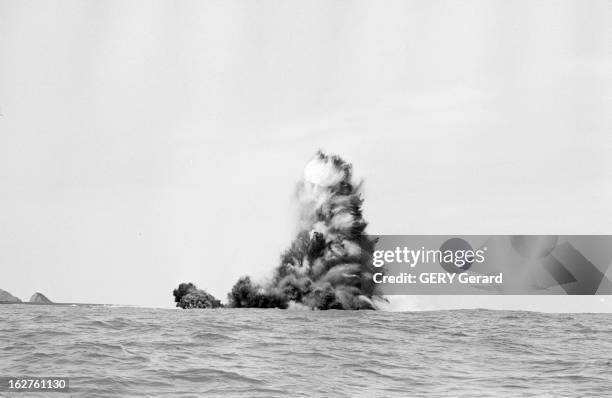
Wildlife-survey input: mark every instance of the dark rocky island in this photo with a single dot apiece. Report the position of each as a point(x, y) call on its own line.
point(6, 297)
point(39, 298)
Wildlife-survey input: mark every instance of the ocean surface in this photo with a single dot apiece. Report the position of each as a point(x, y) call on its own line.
point(123, 352)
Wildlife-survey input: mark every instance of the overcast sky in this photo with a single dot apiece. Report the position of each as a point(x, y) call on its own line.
point(143, 144)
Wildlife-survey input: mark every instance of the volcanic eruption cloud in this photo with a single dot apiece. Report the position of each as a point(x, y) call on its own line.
point(187, 295)
point(329, 263)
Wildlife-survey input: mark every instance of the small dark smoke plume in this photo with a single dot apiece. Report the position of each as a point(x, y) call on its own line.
point(187, 295)
point(328, 265)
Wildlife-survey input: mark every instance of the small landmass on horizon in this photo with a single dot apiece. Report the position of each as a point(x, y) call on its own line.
point(40, 298)
point(8, 298)
point(37, 298)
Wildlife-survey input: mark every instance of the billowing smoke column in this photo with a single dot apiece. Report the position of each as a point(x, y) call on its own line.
point(328, 265)
point(187, 295)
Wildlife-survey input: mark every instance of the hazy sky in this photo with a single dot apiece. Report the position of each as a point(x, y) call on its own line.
point(143, 144)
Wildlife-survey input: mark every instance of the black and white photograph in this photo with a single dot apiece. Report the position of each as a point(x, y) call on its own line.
point(281, 198)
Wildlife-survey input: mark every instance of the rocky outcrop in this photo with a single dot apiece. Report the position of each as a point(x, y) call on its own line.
point(187, 295)
point(40, 298)
point(7, 297)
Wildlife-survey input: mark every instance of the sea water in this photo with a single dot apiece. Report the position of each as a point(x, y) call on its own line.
point(123, 352)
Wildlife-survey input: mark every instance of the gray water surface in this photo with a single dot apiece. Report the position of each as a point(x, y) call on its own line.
point(118, 351)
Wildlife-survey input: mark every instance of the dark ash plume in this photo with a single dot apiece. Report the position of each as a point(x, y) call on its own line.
point(328, 265)
point(187, 295)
